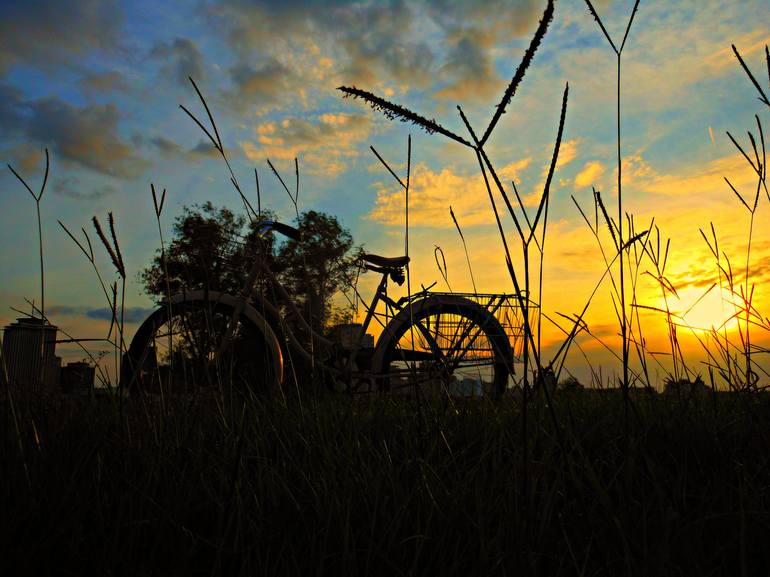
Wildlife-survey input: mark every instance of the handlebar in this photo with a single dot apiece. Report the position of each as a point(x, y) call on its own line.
point(284, 229)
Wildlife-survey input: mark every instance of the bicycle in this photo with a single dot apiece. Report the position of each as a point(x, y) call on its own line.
point(447, 343)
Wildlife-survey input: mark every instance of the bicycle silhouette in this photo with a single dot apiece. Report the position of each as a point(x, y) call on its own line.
point(458, 344)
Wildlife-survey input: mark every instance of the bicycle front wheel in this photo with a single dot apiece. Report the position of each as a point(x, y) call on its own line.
point(192, 345)
point(446, 345)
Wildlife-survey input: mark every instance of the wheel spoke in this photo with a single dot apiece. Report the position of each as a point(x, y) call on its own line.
point(457, 346)
point(188, 348)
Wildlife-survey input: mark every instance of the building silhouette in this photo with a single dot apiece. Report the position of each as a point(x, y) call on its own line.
point(77, 378)
point(29, 347)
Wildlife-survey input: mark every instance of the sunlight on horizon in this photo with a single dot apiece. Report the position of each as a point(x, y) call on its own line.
point(272, 83)
point(703, 310)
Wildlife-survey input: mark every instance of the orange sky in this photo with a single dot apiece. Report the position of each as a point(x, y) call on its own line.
point(101, 91)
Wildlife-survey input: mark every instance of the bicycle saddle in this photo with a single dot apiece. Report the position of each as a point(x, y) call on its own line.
point(385, 262)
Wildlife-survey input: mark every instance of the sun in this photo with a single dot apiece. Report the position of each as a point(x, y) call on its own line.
point(703, 309)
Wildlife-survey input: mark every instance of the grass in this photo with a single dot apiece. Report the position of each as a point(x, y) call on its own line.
point(221, 487)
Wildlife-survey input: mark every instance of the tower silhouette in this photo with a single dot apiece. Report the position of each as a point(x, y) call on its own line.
point(29, 347)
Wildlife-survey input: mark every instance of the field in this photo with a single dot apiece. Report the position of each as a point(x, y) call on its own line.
point(384, 487)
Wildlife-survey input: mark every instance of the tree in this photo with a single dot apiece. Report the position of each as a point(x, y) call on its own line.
point(203, 256)
point(571, 384)
point(314, 268)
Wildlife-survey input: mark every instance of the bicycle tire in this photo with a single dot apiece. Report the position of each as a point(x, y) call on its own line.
point(190, 332)
point(405, 359)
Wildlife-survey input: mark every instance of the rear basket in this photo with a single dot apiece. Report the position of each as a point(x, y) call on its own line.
point(505, 308)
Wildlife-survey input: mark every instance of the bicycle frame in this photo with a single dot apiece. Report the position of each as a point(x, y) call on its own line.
point(380, 295)
point(247, 295)
point(493, 304)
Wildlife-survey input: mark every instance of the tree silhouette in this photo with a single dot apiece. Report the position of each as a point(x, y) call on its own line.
point(314, 268)
point(211, 249)
point(204, 255)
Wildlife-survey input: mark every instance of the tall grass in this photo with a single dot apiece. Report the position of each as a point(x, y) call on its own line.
point(37, 197)
point(465, 247)
point(734, 362)
point(359, 489)
point(532, 231)
point(520, 280)
point(623, 318)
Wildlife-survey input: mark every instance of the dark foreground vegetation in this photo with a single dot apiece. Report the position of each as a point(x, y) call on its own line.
point(386, 487)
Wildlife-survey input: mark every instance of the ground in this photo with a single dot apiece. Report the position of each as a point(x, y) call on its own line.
point(317, 486)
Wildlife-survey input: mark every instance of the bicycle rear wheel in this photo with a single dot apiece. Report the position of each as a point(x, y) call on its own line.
point(184, 348)
point(445, 345)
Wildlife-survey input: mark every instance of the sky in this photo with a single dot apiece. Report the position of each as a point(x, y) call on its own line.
point(100, 83)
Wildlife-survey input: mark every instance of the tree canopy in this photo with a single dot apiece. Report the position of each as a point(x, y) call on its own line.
point(314, 268)
point(202, 255)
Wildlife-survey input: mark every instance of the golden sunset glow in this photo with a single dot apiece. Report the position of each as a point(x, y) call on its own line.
point(275, 97)
point(704, 310)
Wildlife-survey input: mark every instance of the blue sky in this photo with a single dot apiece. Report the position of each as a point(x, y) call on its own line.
point(99, 84)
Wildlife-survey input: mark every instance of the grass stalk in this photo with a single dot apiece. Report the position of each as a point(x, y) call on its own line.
point(621, 268)
point(37, 197)
point(118, 315)
point(465, 248)
point(158, 209)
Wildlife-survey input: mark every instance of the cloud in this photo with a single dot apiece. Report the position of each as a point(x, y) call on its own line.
point(389, 50)
point(676, 50)
point(181, 60)
point(382, 46)
point(26, 158)
point(166, 146)
point(324, 143)
point(568, 151)
point(503, 19)
point(589, 174)
point(131, 314)
point(707, 180)
point(103, 82)
point(431, 194)
point(47, 34)
point(86, 136)
point(11, 108)
point(747, 43)
point(205, 148)
point(471, 68)
point(681, 202)
point(72, 187)
point(387, 46)
point(170, 148)
point(258, 85)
